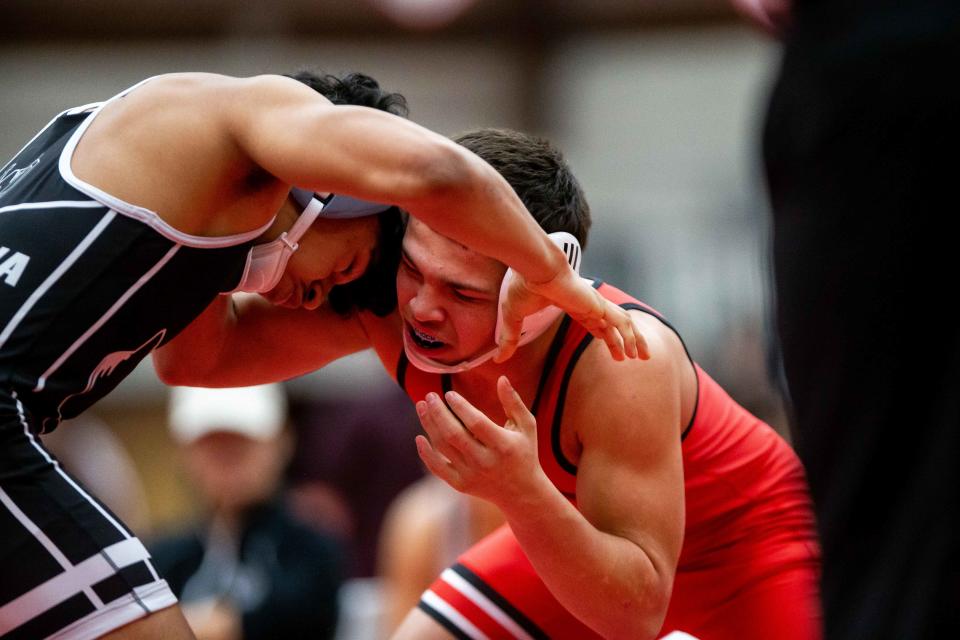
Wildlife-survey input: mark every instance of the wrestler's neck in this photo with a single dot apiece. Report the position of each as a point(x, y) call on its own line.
point(523, 370)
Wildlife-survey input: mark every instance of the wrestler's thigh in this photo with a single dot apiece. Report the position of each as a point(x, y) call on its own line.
point(69, 566)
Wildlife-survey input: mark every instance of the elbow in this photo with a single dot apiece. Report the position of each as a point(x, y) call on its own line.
point(642, 614)
point(446, 172)
point(174, 371)
point(168, 371)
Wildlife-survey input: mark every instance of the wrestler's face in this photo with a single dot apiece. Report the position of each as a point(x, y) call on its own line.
point(447, 296)
point(331, 252)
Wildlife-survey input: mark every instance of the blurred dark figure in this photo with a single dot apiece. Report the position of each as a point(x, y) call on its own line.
point(251, 571)
point(860, 146)
point(354, 456)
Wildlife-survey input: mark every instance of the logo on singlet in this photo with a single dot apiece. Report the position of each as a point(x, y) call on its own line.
point(13, 175)
point(12, 267)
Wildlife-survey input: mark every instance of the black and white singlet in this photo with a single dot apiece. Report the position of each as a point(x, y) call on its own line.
point(89, 284)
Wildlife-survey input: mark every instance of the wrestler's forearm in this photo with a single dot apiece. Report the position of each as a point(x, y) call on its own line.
point(196, 350)
point(606, 581)
point(477, 208)
point(243, 340)
point(295, 135)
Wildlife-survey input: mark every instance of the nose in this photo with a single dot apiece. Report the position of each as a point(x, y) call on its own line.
point(425, 305)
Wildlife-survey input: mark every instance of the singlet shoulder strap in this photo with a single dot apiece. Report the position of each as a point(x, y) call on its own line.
point(146, 216)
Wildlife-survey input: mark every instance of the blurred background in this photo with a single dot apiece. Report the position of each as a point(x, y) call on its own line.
point(656, 104)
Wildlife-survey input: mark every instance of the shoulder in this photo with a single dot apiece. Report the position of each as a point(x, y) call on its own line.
point(642, 390)
point(596, 369)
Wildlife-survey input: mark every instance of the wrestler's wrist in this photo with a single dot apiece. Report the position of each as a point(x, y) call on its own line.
point(527, 497)
point(557, 269)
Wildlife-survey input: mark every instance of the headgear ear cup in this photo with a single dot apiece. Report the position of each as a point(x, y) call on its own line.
point(535, 324)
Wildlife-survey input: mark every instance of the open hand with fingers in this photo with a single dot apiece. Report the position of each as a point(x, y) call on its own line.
point(604, 319)
point(475, 455)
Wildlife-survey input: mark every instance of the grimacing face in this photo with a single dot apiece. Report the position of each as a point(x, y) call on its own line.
point(447, 296)
point(331, 252)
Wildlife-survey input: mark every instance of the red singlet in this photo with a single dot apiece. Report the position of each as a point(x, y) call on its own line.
point(749, 566)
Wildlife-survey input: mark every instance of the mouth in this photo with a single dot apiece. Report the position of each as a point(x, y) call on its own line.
point(424, 340)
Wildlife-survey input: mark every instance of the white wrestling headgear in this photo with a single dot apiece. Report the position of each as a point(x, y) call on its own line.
point(266, 262)
point(533, 327)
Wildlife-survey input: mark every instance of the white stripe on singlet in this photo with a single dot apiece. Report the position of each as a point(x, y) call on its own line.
point(474, 595)
point(53, 204)
point(79, 577)
point(144, 215)
point(42, 381)
point(9, 615)
point(434, 601)
point(55, 275)
point(70, 481)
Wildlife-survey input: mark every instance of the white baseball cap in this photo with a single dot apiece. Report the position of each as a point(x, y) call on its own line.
point(258, 412)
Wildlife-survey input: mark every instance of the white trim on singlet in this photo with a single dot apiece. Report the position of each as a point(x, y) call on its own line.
point(9, 612)
point(146, 216)
point(40, 133)
point(434, 601)
point(79, 577)
point(55, 275)
point(126, 609)
point(484, 603)
point(63, 474)
point(42, 380)
point(53, 204)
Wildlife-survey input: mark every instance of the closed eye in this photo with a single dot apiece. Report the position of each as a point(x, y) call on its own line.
point(468, 296)
point(405, 262)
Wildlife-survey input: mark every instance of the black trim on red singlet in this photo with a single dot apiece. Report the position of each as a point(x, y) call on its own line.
point(446, 384)
point(555, 347)
point(515, 614)
point(565, 464)
point(632, 306)
point(443, 621)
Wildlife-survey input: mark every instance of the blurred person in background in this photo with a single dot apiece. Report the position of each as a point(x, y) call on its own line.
point(425, 530)
point(640, 498)
point(862, 115)
point(250, 570)
point(121, 221)
point(352, 459)
point(93, 453)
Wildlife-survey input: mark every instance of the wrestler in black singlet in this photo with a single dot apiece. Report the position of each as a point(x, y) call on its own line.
point(89, 285)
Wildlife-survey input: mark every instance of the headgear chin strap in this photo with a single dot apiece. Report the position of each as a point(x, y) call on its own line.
point(533, 327)
point(266, 262)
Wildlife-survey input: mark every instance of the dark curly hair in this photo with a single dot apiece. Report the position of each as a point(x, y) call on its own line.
point(353, 88)
point(376, 289)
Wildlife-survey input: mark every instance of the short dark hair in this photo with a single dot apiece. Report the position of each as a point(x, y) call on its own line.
point(376, 289)
point(539, 175)
point(353, 88)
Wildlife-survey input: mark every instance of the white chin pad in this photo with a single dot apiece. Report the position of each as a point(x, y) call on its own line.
point(535, 324)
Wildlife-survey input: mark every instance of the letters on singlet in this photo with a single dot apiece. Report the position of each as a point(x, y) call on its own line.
point(12, 266)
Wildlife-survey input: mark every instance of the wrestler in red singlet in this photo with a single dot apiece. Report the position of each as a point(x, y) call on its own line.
point(749, 563)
